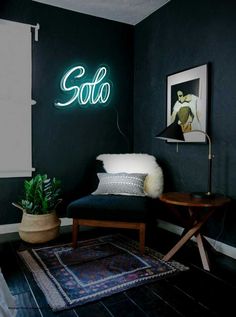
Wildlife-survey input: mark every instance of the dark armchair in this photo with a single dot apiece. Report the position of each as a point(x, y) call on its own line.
point(124, 196)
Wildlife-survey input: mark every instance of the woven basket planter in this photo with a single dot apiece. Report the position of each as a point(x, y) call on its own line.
point(39, 228)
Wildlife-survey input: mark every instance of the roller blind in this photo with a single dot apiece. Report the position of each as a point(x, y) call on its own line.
point(15, 99)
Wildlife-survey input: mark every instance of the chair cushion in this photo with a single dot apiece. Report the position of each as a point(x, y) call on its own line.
point(112, 207)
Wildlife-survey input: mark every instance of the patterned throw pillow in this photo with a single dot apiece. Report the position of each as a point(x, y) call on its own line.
point(120, 184)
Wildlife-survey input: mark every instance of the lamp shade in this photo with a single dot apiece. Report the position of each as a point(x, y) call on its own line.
point(173, 132)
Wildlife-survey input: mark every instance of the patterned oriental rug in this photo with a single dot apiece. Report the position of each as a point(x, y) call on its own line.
point(97, 268)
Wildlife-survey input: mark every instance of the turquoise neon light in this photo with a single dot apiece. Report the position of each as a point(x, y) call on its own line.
point(95, 92)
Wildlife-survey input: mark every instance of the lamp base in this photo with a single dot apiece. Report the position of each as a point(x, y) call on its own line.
point(201, 195)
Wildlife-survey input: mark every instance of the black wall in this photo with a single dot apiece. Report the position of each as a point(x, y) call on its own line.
point(181, 35)
point(66, 142)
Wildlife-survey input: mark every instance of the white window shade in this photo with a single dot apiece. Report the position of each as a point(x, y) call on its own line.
point(15, 99)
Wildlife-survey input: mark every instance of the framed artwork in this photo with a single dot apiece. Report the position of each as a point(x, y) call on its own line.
point(187, 102)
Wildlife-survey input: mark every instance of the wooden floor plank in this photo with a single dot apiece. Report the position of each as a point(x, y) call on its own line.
point(207, 290)
point(150, 303)
point(96, 309)
point(26, 305)
point(121, 306)
point(180, 301)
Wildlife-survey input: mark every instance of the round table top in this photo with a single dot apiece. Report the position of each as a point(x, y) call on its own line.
point(185, 199)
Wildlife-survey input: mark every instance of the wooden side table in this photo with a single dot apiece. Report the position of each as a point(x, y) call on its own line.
point(199, 211)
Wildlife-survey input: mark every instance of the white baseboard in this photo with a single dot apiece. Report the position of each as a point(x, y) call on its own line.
point(10, 231)
point(66, 221)
point(13, 227)
point(219, 246)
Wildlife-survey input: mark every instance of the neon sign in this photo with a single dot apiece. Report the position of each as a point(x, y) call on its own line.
point(95, 92)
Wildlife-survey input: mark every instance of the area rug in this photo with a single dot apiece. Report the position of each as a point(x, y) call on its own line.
point(97, 268)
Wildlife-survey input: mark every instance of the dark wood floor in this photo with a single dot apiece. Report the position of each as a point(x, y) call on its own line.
point(192, 293)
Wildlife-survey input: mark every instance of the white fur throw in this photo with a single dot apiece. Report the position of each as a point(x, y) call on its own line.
point(136, 163)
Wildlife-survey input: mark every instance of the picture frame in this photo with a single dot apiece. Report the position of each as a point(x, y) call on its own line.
point(187, 102)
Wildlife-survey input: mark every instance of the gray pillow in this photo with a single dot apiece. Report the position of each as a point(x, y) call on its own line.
point(120, 184)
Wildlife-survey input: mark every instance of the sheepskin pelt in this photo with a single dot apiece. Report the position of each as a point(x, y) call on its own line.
point(136, 163)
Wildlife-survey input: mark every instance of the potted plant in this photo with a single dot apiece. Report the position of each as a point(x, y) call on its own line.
point(40, 222)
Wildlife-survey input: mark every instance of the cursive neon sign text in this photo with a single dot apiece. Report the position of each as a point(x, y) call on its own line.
point(95, 92)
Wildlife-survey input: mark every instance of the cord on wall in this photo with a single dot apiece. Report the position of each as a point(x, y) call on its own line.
point(118, 127)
